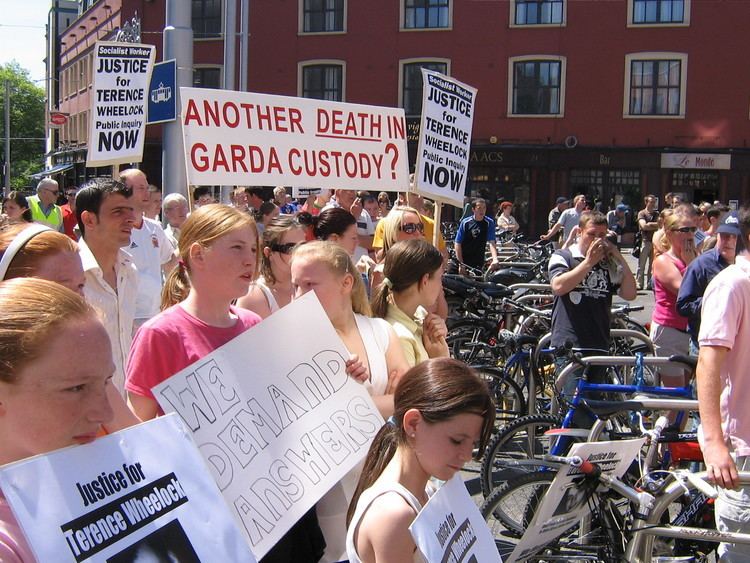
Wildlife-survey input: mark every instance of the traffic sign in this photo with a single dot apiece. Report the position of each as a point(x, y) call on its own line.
point(162, 93)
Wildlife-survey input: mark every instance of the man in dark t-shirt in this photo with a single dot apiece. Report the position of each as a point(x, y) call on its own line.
point(472, 237)
point(584, 278)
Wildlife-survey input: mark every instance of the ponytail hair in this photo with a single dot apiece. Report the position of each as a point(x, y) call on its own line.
point(203, 226)
point(440, 389)
point(405, 264)
point(272, 234)
point(340, 263)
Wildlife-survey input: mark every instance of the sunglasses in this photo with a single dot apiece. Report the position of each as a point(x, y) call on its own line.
point(52, 191)
point(286, 248)
point(685, 229)
point(411, 228)
point(70, 194)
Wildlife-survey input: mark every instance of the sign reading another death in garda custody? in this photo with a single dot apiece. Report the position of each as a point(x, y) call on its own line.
point(239, 138)
point(122, 72)
point(445, 137)
point(141, 494)
point(278, 425)
point(450, 528)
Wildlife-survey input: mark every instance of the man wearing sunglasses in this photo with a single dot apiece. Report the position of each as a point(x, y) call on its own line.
point(472, 237)
point(43, 205)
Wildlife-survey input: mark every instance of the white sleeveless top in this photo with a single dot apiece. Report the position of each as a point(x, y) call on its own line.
point(260, 283)
point(331, 509)
point(363, 504)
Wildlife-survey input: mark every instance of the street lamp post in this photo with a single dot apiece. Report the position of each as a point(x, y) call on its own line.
point(6, 188)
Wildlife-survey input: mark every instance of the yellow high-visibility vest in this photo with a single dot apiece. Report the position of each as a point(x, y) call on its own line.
point(53, 220)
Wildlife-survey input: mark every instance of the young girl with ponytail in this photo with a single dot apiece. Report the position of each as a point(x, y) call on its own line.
point(411, 287)
point(218, 247)
point(442, 411)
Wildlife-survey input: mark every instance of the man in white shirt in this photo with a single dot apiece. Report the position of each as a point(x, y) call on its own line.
point(568, 219)
point(175, 210)
point(150, 248)
point(104, 210)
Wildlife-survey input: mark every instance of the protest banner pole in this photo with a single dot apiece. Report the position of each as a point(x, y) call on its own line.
point(436, 230)
point(178, 45)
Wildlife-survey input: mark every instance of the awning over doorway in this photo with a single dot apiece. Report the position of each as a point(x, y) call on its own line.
point(52, 171)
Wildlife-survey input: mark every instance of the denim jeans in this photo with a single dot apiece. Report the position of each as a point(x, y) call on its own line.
point(733, 515)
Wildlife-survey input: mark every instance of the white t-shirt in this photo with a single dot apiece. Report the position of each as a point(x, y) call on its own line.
point(150, 248)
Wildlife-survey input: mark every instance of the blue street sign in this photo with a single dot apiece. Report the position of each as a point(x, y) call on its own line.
point(162, 92)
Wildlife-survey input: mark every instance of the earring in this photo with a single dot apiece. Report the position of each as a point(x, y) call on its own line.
point(413, 435)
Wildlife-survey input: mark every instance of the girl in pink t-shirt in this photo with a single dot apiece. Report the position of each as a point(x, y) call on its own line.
point(218, 257)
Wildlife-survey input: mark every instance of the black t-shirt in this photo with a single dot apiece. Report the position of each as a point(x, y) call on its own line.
point(582, 316)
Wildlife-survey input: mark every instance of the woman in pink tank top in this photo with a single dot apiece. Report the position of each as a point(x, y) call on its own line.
point(668, 328)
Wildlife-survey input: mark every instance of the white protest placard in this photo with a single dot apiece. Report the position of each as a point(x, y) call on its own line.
point(236, 138)
point(444, 137)
point(301, 193)
point(276, 417)
point(566, 502)
point(144, 491)
point(117, 125)
point(450, 528)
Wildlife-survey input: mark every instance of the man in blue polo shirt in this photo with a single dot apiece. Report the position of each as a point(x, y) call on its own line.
point(702, 270)
point(472, 237)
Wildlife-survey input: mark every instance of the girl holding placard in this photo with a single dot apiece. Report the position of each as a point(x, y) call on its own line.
point(53, 391)
point(442, 412)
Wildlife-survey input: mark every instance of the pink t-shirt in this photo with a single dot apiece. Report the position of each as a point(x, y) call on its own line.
point(665, 311)
point(173, 340)
point(13, 546)
point(725, 321)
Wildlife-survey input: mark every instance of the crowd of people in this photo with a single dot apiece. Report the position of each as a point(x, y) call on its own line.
point(152, 286)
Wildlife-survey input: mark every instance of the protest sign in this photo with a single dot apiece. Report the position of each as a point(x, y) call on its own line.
point(240, 138)
point(301, 193)
point(450, 528)
point(122, 72)
point(444, 138)
point(566, 501)
point(276, 418)
point(142, 491)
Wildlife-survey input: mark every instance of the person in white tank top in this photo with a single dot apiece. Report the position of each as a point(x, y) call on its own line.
point(327, 268)
point(442, 411)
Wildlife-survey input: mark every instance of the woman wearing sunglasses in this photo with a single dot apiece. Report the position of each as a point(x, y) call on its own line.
point(668, 327)
point(273, 289)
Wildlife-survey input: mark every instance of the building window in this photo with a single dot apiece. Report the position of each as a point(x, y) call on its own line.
point(320, 16)
point(207, 77)
point(206, 18)
point(538, 12)
point(655, 85)
point(658, 11)
point(411, 84)
point(426, 14)
point(537, 86)
point(323, 82)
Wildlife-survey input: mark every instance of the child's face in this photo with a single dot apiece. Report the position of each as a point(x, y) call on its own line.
point(442, 448)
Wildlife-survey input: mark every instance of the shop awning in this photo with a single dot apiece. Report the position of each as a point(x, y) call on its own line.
point(51, 171)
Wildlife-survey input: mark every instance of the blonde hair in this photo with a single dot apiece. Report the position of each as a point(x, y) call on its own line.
point(203, 226)
point(340, 263)
point(392, 225)
point(42, 245)
point(34, 310)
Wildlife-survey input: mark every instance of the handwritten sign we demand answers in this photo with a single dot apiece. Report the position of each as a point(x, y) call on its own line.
point(275, 417)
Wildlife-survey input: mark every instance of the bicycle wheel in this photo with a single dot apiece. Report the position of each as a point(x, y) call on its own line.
point(515, 450)
point(509, 511)
point(468, 342)
point(510, 403)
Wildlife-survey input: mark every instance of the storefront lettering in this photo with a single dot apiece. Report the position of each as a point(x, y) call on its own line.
point(605, 160)
point(486, 156)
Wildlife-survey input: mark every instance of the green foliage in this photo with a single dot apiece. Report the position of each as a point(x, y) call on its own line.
point(26, 121)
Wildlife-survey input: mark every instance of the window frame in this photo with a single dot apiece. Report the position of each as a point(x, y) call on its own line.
point(220, 34)
point(402, 19)
point(684, 23)
point(209, 66)
point(511, 83)
point(512, 17)
point(655, 56)
point(302, 65)
point(301, 21)
point(404, 62)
